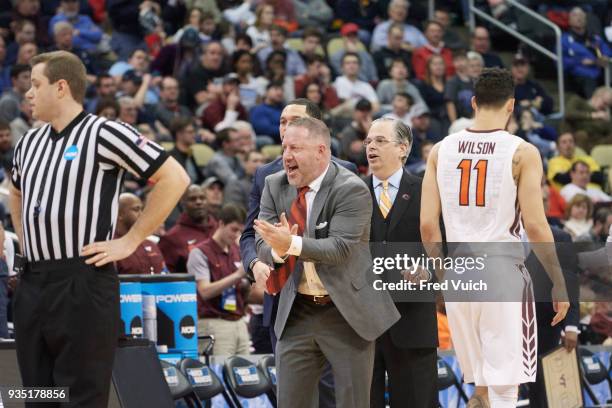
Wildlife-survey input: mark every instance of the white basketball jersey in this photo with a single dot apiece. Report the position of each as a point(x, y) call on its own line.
point(477, 190)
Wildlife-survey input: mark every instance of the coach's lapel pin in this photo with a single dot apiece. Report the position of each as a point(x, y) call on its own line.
point(406, 197)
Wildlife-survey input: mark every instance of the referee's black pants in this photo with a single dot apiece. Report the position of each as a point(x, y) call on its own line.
point(66, 317)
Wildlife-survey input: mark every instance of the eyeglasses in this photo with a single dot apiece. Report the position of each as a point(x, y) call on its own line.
point(378, 141)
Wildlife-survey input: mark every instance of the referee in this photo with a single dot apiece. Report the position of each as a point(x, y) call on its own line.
point(66, 181)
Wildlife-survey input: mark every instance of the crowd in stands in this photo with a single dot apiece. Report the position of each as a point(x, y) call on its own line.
point(208, 81)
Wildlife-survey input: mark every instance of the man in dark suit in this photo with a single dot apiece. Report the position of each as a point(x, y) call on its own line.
point(259, 271)
point(549, 336)
point(407, 351)
point(329, 311)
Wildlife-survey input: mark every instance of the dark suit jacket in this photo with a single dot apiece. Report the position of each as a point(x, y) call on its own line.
point(542, 286)
point(248, 251)
point(418, 326)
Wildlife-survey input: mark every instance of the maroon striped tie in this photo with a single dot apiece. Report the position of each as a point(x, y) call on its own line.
point(297, 215)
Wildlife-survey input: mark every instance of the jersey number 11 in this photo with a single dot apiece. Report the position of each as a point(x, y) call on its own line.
point(465, 166)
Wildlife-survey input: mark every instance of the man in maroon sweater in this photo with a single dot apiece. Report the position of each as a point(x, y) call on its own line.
point(147, 258)
point(226, 108)
point(194, 226)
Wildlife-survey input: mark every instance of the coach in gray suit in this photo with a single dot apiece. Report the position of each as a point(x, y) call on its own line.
point(328, 307)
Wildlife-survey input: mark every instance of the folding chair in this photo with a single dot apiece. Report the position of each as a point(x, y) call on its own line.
point(180, 388)
point(447, 379)
point(244, 379)
point(593, 372)
point(267, 364)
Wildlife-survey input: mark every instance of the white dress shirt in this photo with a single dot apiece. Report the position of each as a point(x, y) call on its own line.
point(310, 283)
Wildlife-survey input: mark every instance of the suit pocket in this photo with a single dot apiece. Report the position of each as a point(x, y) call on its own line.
point(322, 233)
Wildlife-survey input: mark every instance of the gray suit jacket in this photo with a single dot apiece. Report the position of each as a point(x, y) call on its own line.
point(340, 250)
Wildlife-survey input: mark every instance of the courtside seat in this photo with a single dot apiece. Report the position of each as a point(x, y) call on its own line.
point(244, 379)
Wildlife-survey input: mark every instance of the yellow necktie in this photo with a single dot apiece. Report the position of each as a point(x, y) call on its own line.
point(385, 201)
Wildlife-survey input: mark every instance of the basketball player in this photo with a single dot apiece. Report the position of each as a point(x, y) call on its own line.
point(476, 178)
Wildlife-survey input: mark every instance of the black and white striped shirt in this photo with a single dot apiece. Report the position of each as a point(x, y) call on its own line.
point(70, 182)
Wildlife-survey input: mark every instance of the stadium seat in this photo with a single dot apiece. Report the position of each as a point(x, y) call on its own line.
point(244, 379)
point(602, 154)
point(180, 387)
point(593, 372)
point(267, 364)
point(271, 152)
point(297, 44)
point(447, 379)
point(580, 152)
point(336, 44)
point(204, 381)
point(167, 145)
point(202, 154)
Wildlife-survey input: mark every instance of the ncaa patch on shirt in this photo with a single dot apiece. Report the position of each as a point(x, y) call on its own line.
point(71, 153)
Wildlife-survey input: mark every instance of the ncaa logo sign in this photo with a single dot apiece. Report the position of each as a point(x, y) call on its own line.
point(187, 326)
point(71, 153)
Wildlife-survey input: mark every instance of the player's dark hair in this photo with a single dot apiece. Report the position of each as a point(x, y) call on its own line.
point(493, 88)
point(312, 109)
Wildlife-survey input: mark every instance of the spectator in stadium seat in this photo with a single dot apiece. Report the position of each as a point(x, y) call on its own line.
point(147, 258)
point(108, 108)
point(460, 88)
point(424, 129)
point(214, 190)
point(128, 34)
point(208, 68)
point(434, 33)
point(528, 93)
point(225, 164)
point(413, 38)
point(194, 23)
point(249, 88)
point(294, 64)
point(24, 32)
point(580, 176)
point(220, 279)
point(168, 107)
point(225, 108)
point(554, 204)
point(194, 226)
point(184, 135)
point(451, 39)
point(311, 41)
point(265, 117)
point(392, 51)
point(238, 192)
point(559, 166)
point(128, 111)
point(367, 68)
point(313, 13)
point(5, 72)
point(10, 102)
point(578, 216)
point(584, 54)
point(175, 59)
point(432, 90)
point(352, 135)
point(314, 74)
point(481, 43)
point(276, 71)
point(6, 146)
point(259, 32)
point(138, 61)
point(26, 52)
point(402, 105)
point(63, 39)
point(590, 119)
point(106, 87)
point(598, 233)
point(22, 123)
point(364, 14)
point(398, 83)
point(87, 33)
point(139, 87)
point(350, 88)
point(417, 168)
